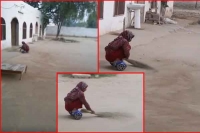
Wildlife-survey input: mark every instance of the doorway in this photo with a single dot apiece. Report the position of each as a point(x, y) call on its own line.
point(40, 31)
point(36, 28)
point(15, 32)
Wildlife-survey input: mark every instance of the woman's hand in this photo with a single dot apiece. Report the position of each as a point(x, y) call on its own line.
point(92, 112)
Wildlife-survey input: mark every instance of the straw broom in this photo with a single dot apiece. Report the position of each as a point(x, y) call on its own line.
point(138, 64)
point(104, 114)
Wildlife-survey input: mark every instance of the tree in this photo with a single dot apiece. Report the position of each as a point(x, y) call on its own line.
point(34, 4)
point(45, 22)
point(81, 24)
point(92, 20)
point(69, 22)
point(61, 12)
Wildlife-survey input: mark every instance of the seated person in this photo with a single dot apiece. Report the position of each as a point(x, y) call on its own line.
point(24, 48)
point(76, 98)
point(119, 48)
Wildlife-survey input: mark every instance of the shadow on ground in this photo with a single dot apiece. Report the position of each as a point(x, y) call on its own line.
point(138, 64)
point(133, 63)
point(65, 40)
point(106, 115)
point(12, 49)
point(112, 115)
point(10, 77)
point(70, 117)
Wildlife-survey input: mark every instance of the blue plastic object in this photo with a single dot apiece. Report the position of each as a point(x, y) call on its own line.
point(77, 114)
point(120, 65)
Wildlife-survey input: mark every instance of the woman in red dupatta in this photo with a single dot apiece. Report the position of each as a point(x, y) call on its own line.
point(119, 48)
point(76, 98)
point(24, 48)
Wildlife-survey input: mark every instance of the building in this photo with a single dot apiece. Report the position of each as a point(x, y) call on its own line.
point(113, 13)
point(19, 22)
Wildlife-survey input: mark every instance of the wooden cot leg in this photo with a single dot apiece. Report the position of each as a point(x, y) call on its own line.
point(26, 69)
point(20, 76)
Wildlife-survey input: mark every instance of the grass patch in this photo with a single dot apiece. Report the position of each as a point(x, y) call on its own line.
point(93, 75)
point(104, 75)
point(65, 40)
point(67, 75)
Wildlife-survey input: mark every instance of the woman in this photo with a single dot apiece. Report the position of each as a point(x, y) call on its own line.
point(24, 48)
point(76, 98)
point(119, 48)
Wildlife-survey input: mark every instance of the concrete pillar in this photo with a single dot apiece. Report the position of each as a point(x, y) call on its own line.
point(137, 23)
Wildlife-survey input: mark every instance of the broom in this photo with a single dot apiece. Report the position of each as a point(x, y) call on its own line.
point(86, 111)
point(138, 64)
point(104, 114)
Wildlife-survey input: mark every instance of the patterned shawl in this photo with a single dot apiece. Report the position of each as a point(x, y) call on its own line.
point(77, 91)
point(122, 41)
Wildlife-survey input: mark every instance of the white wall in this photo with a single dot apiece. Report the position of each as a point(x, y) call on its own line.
point(30, 15)
point(170, 4)
point(169, 10)
point(110, 22)
point(72, 31)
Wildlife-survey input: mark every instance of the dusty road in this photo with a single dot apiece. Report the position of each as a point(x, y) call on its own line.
point(30, 104)
point(172, 92)
point(120, 96)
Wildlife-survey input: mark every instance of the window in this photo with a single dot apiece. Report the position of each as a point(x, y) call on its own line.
point(101, 10)
point(3, 29)
point(119, 8)
point(153, 4)
point(24, 31)
point(31, 30)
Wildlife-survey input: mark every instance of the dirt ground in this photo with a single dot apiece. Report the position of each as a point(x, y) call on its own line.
point(29, 104)
point(172, 91)
point(119, 99)
point(187, 5)
point(186, 10)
